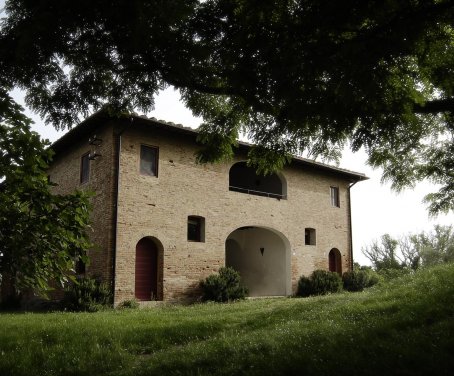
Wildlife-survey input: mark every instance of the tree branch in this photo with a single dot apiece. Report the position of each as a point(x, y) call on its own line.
point(435, 106)
point(219, 90)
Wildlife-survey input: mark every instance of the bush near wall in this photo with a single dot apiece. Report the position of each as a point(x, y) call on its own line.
point(87, 294)
point(320, 282)
point(224, 286)
point(358, 280)
point(129, 304)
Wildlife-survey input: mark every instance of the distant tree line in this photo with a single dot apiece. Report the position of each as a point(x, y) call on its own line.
point(412, 251)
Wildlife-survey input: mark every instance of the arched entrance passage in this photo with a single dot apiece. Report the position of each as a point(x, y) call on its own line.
point(335, 261)
point(262, 257)
point(147, 270)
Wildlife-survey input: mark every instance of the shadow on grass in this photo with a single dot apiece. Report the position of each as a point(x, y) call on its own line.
point(402, 328)
point(396, 330)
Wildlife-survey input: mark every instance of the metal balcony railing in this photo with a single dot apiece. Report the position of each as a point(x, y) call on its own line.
point(257, 193)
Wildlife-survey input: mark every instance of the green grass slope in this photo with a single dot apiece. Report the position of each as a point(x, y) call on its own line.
point(402, 328)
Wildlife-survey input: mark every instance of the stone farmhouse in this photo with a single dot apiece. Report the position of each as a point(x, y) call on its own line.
point(162, 223)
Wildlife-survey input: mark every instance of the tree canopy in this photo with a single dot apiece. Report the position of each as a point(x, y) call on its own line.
point(297, 76)
point(42, 235)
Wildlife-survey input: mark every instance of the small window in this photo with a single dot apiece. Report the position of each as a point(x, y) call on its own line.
point(309, 236)
point(84, 168)
point(335, 196)
point(148, 160)
point(196, 229)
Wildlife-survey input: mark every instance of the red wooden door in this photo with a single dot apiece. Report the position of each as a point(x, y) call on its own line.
point(335, 262)
point(146, 286)
point(332, 261)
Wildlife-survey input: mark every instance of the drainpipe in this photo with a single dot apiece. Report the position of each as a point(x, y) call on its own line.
point(350, 223)
point(116, 194)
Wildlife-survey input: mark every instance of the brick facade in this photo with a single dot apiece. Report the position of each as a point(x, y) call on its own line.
point(137, 206)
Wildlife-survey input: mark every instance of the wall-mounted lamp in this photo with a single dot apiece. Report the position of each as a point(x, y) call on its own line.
point(93, 156)
point(262, 250)
point(95, 141)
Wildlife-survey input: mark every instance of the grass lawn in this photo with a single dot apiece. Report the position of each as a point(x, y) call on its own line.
point(405, 327)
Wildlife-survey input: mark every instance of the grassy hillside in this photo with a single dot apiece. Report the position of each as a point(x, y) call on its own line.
point(403, 328)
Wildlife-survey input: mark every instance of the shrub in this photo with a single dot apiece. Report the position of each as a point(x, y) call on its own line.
point(304, 287)
point(355, 280)
point(87, 294)
point(129, 304)
point(373, 276)
point(224, 286)
point(320, 282)
point(324, 282)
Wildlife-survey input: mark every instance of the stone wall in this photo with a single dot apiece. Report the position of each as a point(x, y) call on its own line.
point(159, 206)
point(65, 171)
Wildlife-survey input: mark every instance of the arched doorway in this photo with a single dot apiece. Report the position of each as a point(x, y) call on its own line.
point(146, 271)
point(262, 257)
point(335, 261)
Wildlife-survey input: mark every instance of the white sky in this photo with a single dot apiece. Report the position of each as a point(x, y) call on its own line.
point(375, 209)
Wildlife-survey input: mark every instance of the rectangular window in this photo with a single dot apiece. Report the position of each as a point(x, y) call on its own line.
point(335, 196)
point(84, 168)
point(148, 160)
point(309, 236)
point(196, 229)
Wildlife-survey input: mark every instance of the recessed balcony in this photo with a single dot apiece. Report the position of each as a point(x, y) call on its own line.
point(244, 179)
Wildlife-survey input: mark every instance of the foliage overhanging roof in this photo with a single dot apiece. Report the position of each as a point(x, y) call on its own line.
point(86, 127)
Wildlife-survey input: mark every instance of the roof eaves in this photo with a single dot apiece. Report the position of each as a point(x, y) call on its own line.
point(85, 125)
point(310, 162)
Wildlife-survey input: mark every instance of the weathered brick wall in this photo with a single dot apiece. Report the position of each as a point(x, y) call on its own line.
point(159, 206)
point(65, 171)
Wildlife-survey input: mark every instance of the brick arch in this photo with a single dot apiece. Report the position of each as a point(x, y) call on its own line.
point(262, 257)
point(148, 269)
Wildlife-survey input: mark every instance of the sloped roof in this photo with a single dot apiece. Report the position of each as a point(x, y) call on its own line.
point(88, 126)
